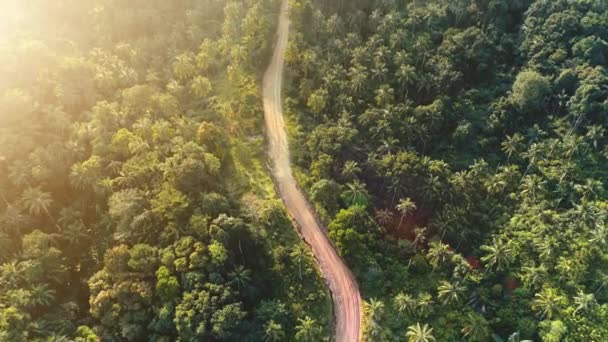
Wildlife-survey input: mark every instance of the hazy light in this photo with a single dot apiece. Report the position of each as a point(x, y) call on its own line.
point(10, 13)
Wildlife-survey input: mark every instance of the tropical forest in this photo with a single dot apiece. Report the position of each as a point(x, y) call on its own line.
point(304, 170)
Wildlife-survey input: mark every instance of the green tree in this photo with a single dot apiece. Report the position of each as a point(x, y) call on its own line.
point(439, 253)
point(404, 303)
point(419, 333)
point(530, 90)
point(300, 254)
point(273, 332)
point(449, 292)
point(547, 302)
point(498, 254)
point(307, 330)
point(477, 328)
point(584, 301)
point(405, 206)
point(41, 295)
point(355, 193)
point(36, 201)
point(240, 276)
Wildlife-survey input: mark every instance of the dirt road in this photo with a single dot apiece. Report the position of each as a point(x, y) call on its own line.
point(345, 293)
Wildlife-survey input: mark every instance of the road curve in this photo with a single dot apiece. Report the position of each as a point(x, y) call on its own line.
point(342, 284)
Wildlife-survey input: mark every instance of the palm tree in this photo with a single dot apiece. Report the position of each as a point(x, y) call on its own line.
point(12, 219)
point(358, 76)
point(299, 253)
point(532, 186)
point(584, 301)
point(601, 279)
point(477, 329)
point(424, 302)
point(355, 190)
point(419, 236)
point(6, 247)
point(512, 144)
point(350, 169)
point(384, 216)
point(547, 302)
point(307, 330)
point(498, 254)
point(374, 309)
point(273, 332)
point(534, 276)
point(600, 234)
point(420, 333)
point(57, 337)
point(594, 134)
point(20, 173)
point(36, 201)
point(432, 188)
point(11, 274)
point(406, 74)
point(405, 206)
point(240, 276)
point(439, 253)
point(450, 293)
point(384, 95)
point(41, 295)
point(404, 303)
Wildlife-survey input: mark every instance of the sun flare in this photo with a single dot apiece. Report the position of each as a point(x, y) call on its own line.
point(303, 170)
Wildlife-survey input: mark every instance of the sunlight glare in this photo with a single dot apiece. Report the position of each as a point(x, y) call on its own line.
point(9, 15)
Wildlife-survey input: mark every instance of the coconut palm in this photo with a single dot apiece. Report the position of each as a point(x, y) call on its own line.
point(419, 236)
point(532, 186)
point(513, 144)
point(404, 303)
point(6, 247)
point(307, 330)
point(384, 216)
point(41, 295)
point(584, 301)
point(534, 276)
point(432, 188)
point(36, 201)
point(547, 302)
point(424, 302)
point(405, 206)
point(351, 169)
point(358, 76)
point(374, 309)
point(420, 333)
point(11, 274)
point(273, 332)
point(58, 337)
point(240, 276)
point(498, 254)
point(477, 328)
point(449, 292)
point(355, 190)
point(599, 234)
point(439, 253)
point(406, 75)
point(299, 253)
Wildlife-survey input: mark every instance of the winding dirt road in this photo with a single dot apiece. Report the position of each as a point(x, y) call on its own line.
point(343, 287)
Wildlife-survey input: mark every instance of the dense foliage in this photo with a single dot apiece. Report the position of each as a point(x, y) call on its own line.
point(133, 200)
point(457, 150)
